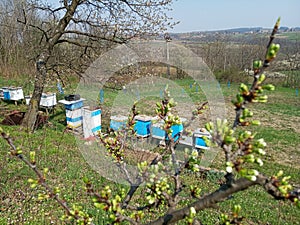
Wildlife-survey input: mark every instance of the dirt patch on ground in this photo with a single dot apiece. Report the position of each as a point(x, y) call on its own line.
point(135, 156)
point(279, 121)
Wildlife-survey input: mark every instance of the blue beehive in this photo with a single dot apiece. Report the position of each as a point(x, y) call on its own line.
point(6, 94)
point(159, 132)
point(198, 139)
point(74, 105)
point(142, 125)
point(176, 130)
point(118, 122)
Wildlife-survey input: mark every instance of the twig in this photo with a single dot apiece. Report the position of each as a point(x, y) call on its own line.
point(239, 109)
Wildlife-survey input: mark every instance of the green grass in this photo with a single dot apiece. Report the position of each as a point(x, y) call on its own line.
point(284, 136)
point(293, 36)
point(58, 150)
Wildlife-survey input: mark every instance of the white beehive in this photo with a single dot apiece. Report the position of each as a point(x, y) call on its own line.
point(74, 118)
point(15, 93)
point(48, 100)
point(27, 99)
point(1, 93)
point(91, 121)
point(73, 112)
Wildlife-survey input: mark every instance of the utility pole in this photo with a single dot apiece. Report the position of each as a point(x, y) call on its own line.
point(168, 39)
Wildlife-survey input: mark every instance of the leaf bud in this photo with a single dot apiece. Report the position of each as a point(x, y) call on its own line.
point(237, 209)
point(269, 87)
point(252, 178)
point(244, 88)
point(30, 180)
point(33, 185)
point(260, 143)
point(239, 98)
point(255, 122)
point(259, 162)
point(280, 173)
point(261, 151)
point(192, 212)
point(274, 47)
point(229, 169)
point(271, 54)
point(261, 78)
point(263, 98)
point(209, 126)
point(40, 197)
point(229, 139)
point(19, 151)
point(249, 158)
point(257, 64)
point(85, 180)
point(32, 156)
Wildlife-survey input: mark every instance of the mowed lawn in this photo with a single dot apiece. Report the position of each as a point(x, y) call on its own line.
point(57, 150)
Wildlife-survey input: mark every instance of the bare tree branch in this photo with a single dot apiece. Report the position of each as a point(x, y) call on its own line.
point(220, 195)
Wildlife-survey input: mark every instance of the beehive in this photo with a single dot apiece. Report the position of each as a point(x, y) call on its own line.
point(157, 130)
point(198, 139)
point(48, 100)
point(118, 122)
point(91, 121)
point(73, 112)
point(142, 125)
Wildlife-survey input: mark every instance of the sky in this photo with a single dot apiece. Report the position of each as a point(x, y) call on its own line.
point(205, 15)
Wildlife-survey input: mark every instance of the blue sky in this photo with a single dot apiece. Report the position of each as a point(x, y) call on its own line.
point(202, 15)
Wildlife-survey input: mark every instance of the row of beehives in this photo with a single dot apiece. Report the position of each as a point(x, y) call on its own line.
point(145, 126)
point(17, 94)
point(90, 119)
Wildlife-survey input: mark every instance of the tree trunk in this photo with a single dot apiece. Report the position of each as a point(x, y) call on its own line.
point(30, 118)
point(31, 115)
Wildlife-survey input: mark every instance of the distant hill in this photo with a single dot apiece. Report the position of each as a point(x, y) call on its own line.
point(242, 30)
point(233, 34)
point(231, 30)
point(258, 30)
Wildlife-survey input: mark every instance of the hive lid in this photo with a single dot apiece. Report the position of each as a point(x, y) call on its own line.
point(65, 102)
point(119, 118)
point(143, 118)
point(202, 131)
